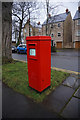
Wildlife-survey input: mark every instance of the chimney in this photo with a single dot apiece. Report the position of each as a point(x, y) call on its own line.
point(49, 15)
point(79, 8)
point(67, 11)
point(38, 23)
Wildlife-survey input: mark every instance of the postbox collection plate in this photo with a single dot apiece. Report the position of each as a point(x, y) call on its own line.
point(32, 52)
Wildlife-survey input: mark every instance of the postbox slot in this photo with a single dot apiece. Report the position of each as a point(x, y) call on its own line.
point(31, 44)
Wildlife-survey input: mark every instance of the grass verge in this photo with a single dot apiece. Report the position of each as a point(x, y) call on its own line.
point(15, 76)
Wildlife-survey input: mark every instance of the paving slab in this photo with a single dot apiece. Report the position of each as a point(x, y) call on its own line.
point(15, 105)
point(58, 98)
point(70, 81)
point(72, 110)
point(77, 84)
point(77, 94)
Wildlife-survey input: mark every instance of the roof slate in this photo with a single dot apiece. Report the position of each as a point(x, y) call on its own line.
point(77, 15)
point(57, 18)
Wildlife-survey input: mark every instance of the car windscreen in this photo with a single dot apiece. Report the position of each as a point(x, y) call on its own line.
point(24, 46)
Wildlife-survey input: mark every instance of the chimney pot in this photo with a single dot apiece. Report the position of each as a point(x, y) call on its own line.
point(67, 11)
point(79, 8)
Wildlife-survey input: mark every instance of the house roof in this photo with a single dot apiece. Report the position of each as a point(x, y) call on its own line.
point(77, 15)
point(34, 24)
point(57, 18)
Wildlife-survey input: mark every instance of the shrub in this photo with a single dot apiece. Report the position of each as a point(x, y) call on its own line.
point(53, 49)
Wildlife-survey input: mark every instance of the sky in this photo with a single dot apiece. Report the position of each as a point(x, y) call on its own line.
point(72, 5)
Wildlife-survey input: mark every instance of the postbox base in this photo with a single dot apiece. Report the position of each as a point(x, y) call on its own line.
point(40, 91)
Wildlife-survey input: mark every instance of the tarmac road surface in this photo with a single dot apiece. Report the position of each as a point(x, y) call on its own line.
point(64, 59)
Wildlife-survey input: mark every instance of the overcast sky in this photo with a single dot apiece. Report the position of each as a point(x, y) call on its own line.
point(72, 5)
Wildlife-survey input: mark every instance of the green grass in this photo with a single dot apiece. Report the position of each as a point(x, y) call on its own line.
point(15, 76)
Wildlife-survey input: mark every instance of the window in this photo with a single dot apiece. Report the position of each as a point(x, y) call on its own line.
point(20, 46)
point(30, 29)
point(78, 33)
point(51, 42)
point(39, 30)
point(58, 24)
point(52, 35)
point(79, 22)
point(23, 46)
point(51, 25)
point(25, 30)
point(59, 34)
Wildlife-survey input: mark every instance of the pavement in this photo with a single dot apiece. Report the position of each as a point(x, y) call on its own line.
point(63, 102)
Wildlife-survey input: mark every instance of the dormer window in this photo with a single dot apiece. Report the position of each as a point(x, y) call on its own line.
point(78, 33)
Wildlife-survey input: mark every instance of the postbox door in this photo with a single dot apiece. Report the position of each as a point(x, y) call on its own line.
point(33, 65)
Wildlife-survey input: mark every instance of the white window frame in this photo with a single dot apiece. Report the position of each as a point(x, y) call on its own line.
point(31, 29)
point(78, 33)
point(39, 30)
point(78, 23)
point(58, 34)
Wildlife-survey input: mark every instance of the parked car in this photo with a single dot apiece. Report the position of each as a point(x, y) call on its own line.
point(14, 49)
point(22, 48)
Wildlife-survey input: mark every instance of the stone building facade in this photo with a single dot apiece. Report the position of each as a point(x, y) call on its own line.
point(35, 30)
point(60, 29)
point(76, 29)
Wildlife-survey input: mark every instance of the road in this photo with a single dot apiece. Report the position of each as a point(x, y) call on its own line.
point(64, 59)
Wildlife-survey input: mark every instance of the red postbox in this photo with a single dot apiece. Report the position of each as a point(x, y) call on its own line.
point(39, 61)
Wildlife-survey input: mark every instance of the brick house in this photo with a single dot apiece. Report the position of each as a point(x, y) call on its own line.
point(60, 29)
point(35, 29)
point(76, 29)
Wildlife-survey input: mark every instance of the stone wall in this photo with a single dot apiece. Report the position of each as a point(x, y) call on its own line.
point(67, 39)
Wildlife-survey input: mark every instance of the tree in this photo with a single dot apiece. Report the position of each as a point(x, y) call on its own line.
point(32, 7)
point(19, 13)
point(6, 31)
point(50, 9)
point(22, 12)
